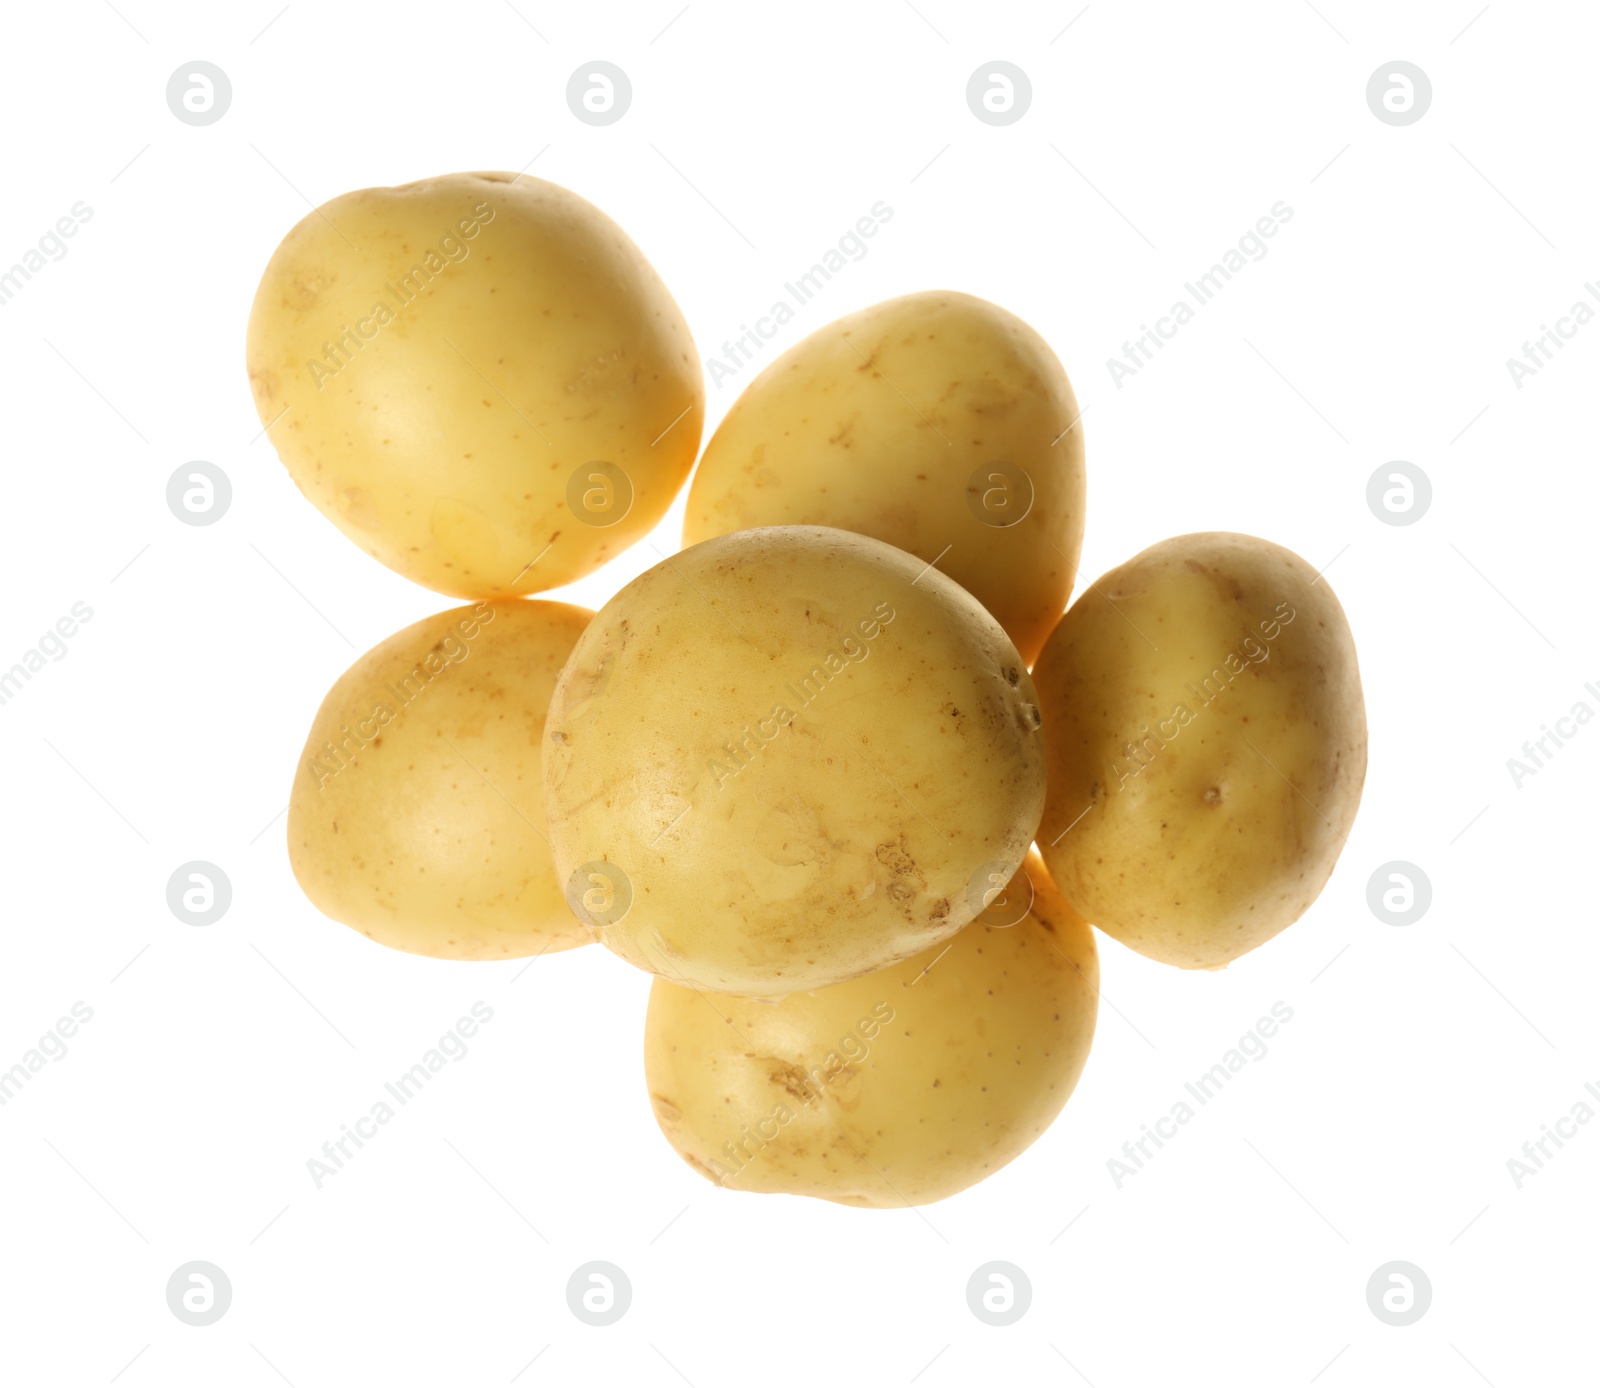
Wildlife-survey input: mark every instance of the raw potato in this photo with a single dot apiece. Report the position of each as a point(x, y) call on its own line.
point(1208, 742)
point(781, 759)
point(902, 1087)
point(416, 815)
point(890, 423)
point(446, 368)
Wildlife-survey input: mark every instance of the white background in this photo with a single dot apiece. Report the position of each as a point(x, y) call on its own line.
point(218, 1061)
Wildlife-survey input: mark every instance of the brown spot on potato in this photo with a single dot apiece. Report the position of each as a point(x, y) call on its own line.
point(792, 1079)
point(897, 858)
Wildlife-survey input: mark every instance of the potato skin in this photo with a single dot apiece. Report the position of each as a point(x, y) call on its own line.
point(900, 1087)
point(879, 422)
point(799, 745)
point(416, 815)
point(435, 409)
point(1208, 742)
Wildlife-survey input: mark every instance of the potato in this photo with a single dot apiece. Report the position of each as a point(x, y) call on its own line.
point(416, 815)
point(478, 378)
point(938, 423)
point(1207, 741)
point(786, 757)
point(901, 1087)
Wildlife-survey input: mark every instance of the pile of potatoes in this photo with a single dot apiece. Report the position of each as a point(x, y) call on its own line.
point(801, 770)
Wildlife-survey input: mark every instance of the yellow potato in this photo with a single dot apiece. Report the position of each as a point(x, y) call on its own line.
point(902, 1087)
point(416, 815)
point(938, 423)
point(1208, 742)
point(786, 757)
point(478, 378)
